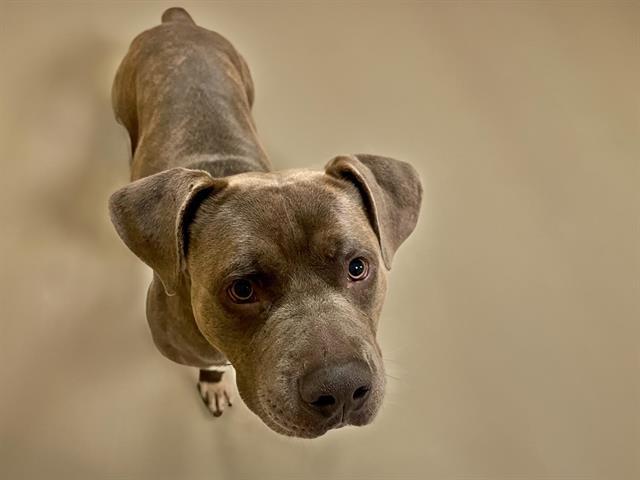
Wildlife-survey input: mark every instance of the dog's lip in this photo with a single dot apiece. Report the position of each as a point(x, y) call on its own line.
point(310, 431)
point(339, 420)
point(339, 424)
point(272, 420)
point(315, 432)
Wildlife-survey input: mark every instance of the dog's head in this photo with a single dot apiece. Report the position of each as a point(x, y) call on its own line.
point(286, 275)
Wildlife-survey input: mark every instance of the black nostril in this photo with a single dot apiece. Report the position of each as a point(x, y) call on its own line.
point(360, 392)
point(324, 401)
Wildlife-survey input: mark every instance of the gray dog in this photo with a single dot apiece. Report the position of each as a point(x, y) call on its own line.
point(282, 274)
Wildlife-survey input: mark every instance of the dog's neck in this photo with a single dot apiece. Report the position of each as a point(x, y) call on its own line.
point(196, 123)
point(225, 165)
point(206, 146)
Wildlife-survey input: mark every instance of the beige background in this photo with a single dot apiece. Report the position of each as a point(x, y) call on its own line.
point(511, 328)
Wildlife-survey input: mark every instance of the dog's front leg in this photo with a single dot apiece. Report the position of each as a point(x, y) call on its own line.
point(217, 386)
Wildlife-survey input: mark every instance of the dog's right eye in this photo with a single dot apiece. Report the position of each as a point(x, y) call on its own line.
point(241, 291)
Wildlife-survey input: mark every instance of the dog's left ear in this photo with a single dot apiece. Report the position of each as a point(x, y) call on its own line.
point(391, 192)
point(152, 217)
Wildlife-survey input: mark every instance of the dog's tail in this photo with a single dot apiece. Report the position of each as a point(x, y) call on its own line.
point(177, 14)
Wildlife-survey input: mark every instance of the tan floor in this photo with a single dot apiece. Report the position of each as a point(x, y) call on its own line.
point(512, 323)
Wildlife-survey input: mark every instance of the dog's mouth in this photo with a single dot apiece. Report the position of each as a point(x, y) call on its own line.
point(276, 419)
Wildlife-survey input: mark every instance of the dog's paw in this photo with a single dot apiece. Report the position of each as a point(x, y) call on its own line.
point(217, 388)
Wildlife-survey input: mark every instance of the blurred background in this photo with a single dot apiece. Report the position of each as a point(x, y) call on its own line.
point(511, 329)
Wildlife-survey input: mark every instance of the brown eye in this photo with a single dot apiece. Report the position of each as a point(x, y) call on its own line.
point(241, 291)
point(358, 269)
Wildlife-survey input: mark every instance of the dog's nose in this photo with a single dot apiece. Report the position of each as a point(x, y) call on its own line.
point(343, 387)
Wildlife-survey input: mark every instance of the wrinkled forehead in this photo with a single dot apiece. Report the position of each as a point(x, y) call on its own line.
point(286, 215)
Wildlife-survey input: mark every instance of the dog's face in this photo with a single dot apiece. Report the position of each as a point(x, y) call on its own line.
point(287, 280)
point(287, 276)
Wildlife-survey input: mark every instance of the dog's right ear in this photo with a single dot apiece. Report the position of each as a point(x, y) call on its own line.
point(151, 216)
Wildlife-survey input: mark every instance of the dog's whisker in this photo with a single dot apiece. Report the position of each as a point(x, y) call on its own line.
point(390, 360)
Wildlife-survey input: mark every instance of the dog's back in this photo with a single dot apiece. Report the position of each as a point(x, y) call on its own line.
point(184, 93)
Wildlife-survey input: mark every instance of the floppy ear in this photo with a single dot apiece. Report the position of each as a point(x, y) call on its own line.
point(151, 215)
point(391, 192)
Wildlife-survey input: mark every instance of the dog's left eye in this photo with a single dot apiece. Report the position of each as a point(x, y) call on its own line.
point(358, 269)
point(241, 291)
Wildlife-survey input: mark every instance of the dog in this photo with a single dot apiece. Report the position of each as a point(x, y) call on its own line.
point(281, 274)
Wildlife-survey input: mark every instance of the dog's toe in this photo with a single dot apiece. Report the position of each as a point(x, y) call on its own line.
point(216, 387)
